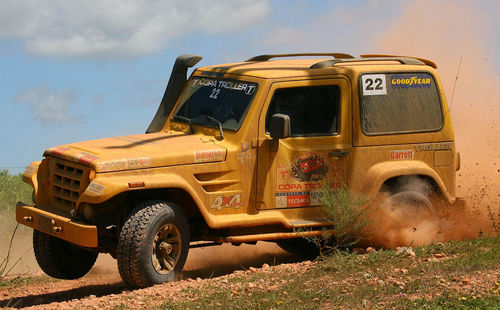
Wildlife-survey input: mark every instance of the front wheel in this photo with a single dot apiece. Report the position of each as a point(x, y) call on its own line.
point(153, 244)
point(60, 259)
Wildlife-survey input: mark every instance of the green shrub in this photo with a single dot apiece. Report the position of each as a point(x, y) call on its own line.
point(350, 215)
point(12, 190)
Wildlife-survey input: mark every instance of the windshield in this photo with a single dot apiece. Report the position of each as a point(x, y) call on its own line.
point(206, 99)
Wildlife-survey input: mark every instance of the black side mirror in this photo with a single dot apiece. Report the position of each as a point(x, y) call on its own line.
point(280, 126)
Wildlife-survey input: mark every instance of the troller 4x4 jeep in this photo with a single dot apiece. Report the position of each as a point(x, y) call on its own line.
point(236, 154)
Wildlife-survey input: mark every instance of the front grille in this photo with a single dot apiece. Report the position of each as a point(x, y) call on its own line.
point(68, 180)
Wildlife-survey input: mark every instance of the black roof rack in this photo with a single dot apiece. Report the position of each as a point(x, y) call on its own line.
point(378, 57)
point(402, 60)
point(425, 61)
point(269, 56)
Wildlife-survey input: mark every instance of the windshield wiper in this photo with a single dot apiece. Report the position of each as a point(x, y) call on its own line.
point(187, 119)
point(219, 123)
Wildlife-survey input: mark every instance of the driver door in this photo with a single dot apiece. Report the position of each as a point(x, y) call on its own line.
point(291, 170)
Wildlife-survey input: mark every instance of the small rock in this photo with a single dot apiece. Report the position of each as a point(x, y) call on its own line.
point(409, 252)
point(439, 255)
point(251, 285)
point(381, 282)
point(92, 296)
point(404, 271)
point(370, 249)
point(455, 279)
point(367, 275)
point(252, 269)
point(442, 280)
point(400, 250)
point(265, 266)
point(198, 279)
point(465, 281)
point(440, 244)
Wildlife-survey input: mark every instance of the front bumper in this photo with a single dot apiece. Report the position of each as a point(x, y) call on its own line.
point(51, 223)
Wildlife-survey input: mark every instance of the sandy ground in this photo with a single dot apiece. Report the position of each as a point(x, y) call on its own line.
point(104, 281)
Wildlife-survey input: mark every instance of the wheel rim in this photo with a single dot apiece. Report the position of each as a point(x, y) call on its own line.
point(166, 248)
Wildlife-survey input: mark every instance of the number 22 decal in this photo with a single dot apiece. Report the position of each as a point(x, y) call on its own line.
point(215, 92)
point(373, 84)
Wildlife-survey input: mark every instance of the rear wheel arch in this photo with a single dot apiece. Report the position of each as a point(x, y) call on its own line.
point(385, 175)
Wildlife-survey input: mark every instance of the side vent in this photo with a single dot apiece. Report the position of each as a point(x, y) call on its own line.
point(216, 181)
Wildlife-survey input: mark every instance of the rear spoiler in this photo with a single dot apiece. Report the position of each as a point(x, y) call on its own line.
point(178, 78)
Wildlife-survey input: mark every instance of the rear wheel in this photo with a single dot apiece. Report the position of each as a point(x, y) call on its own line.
point(60, 259)
point(413, 203)
point(153, 244)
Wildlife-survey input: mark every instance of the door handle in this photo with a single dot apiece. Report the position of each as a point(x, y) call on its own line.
point(338, 153)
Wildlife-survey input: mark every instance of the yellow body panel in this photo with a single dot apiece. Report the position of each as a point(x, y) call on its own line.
point(243, 180)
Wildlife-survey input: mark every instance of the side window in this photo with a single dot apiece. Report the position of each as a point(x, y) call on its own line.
point(398, 102)
point(313, 110)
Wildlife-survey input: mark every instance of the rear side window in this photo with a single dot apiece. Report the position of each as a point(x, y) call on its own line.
point(399, 103)
point(313, 110)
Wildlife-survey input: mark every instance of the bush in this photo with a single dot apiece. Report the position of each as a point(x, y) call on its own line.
point(12, 190)
point(350, 215)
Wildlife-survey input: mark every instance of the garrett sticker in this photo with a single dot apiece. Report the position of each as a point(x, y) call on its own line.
point(96, 188)
point(402, 154)
point(231, 201)
point(208, 156)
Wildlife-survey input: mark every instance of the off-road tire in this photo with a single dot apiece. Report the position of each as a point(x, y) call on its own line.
point(413, 200)
point(136, 245)
point(300, 247)
point(60, 259)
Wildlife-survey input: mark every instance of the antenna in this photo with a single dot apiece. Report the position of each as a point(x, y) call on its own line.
point(455, 84)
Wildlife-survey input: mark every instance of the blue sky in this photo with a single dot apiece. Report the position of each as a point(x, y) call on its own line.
point(79, 70)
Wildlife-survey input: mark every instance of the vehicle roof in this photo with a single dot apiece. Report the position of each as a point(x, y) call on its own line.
point(290, 67)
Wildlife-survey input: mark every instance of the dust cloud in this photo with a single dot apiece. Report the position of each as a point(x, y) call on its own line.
point(458, 37)
point(17, 258)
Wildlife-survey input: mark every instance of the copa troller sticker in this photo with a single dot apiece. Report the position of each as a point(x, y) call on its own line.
point(298, 181)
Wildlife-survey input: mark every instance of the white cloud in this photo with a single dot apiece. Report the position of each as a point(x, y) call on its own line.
point(109, 29)
point(48, 105)
point(349, 27)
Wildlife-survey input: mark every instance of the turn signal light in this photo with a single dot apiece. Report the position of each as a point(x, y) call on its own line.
point(136, 184)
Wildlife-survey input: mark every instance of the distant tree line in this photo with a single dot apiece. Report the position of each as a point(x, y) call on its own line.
point(12, 190)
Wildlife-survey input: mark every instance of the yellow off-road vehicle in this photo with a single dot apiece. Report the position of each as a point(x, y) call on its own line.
point(236, 154)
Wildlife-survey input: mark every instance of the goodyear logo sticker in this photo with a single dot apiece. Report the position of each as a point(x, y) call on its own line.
point(411, 81)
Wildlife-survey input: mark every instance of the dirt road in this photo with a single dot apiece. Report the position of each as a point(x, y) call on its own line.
point(103, 285)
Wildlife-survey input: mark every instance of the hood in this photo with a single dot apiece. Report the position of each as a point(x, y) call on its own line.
point(141, 151)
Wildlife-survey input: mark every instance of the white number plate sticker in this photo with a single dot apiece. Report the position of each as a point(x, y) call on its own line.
point(374, 84)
